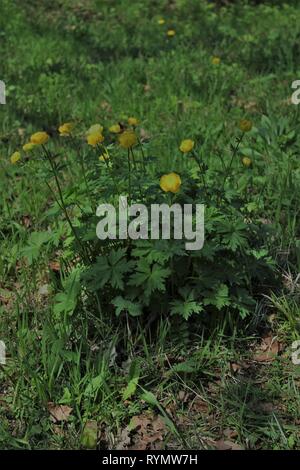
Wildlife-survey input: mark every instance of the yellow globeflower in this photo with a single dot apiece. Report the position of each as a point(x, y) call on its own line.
point(66, 128)
point(216, 60)
point(94, 129)
point(171, 33)
point(161, 21)
point(245, 125)
point(132, 121)
point(247, 161)
point(127, 139)
point(186, 145)
point(28, 147)
point(39, 138)
point(15, 157)
point(95, 138)
point(115, 128)
point(170, 182)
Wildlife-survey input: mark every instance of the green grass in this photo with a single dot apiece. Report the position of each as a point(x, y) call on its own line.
point(102, 61)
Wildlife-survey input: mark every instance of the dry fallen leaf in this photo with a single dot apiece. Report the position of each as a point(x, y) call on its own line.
point(235, 367)
point(226, 445)
point(143, 433)
point(268, 349)
point(199, 406)
point(124, 439)
point(230, 433)
point(54, 266)
point(59, 413)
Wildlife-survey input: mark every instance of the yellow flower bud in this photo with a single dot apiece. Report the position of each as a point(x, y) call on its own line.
point(94, 129)
point(245, 125)
point(115, 128)
point(39, 138)
point(15, 157)
point(127, 139)
point(170, 182)
point(132, 121)
point(94, 139)
point(247, 162)
point(28, 147)
point(216, 60)
point(186, 145)
point(171, 33)
point(66, 128)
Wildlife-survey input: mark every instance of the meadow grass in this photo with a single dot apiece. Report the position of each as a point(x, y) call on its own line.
point(209, 379)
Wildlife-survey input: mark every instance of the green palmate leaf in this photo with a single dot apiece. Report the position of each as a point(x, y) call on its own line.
point(158, 251)
point(150, 277)
point(108, 269)
point(36, 242)
point(187, 306)
point(123, 305)
point(234, 234)
point(219, 298)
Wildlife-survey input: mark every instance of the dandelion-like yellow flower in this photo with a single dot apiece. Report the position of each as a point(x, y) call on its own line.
point(216, 60)
point(94, 129)
point(245, 125)
point(115, 128)
point(186, 145)
point(247, 162)
point(66, 128)
point(28, 147)
point(170, 182)
point(127, 139)
point(171, 33)
point(95, 138)
point(161, 21)
point(132, 121)
point(15, 157)
point(39, 138)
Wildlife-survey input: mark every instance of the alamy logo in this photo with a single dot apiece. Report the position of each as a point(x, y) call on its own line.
point(296, 352)
point(296, 95)
point(2, 92)
point(2, 353)
point(187, 224)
